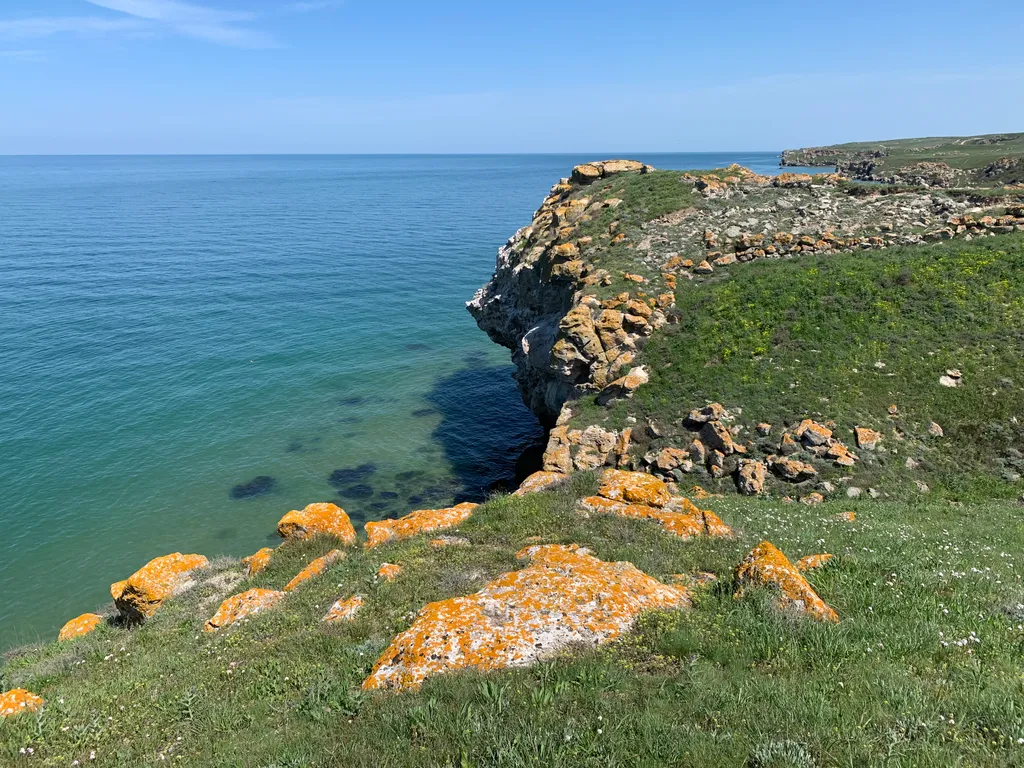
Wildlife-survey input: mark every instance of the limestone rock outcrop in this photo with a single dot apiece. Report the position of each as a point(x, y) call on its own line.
point(540, 303)
point(79, 626)
point(321, 519)
point(538, 481)
point(241, 606)
point(564, 596)
point(140, 595)
point(766, 566)
point(419, 521)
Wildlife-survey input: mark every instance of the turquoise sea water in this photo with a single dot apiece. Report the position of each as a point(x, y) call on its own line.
point(174, 327)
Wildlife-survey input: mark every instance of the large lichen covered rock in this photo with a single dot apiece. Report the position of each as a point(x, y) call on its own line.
point(80, 625)
point(344, 610)
point(320, 519)
point(315, 568)
point(766, 566)
point(243, 605)
point(139, 596)
point(681, 517)
point(419, 521)
point(18, 700)
point(564, 596)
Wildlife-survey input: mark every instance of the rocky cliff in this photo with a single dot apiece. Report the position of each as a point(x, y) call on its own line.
point(541, 302)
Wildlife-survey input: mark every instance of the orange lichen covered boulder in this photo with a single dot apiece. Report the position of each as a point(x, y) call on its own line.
point(344, 610)
point(315, 568)
point(241, 606)
point(565, 596)
point(419, 521)
point(139, 596)
point(388, 571)
point(766, 566)
point(322, 519)
point(810, 562)
point(258, 561)
point(538, 481)
point(18, 700)
point(633, 487)
point(81, 625)
point(680, 516)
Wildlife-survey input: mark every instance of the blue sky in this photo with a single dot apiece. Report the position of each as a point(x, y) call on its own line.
point(113, 76)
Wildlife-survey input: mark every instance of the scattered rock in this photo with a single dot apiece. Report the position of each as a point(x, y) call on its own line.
point(81, 625)
point(539, 481)
point(867, 439)
point(811, 433)
point(139, 596)
point(787, 445)
point(633, 487)
point(564, 597)
point(812, 498)
point(340, 478)
point(935, 430)
point(812, 562)
point(255, 487)
point(359, 491)
point(241, 606)
point(449, 541)
point(419, 521)
point(712, 412)
point(321, 519)
point(853, 492)
point(344, 610)
point(766, 566)
point(792, 470)
point(751, 477)
point(921, 486)
point(315, 568)
point(847, 517)
point(764, 429)
point(388, 571)
point(18, 700)
point(624, 387)
point(717, 437)
point(257, 562)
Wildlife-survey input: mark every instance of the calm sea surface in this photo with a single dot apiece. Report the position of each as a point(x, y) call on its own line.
point(174, 327)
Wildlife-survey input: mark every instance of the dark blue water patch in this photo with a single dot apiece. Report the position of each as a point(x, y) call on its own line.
point(409, 475)
point(485, 430)
point(388, 495)
point(360, 491)
point(304, 445)
point(414, 500)
point(423, 412)
point(225, 534)
point(342, 477)
point(380, 506)
point(353, 400)
point(258, 486)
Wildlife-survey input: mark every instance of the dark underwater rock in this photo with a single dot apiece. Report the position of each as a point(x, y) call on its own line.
point(342, 477)
point(255, 487)
point(419, 414)
point(388, 495)
point(361, 491)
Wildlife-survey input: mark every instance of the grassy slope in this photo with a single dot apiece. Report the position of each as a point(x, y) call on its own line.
point(785, 340)
point(726, 682)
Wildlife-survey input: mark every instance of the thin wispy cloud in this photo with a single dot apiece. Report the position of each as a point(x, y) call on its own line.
point(45, 26)
point(211, 24)
point(313, 5)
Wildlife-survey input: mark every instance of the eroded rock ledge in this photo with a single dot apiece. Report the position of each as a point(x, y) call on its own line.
point(564, 341)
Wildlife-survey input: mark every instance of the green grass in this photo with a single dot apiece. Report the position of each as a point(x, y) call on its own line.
point(726, 683)
point(787, 340)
